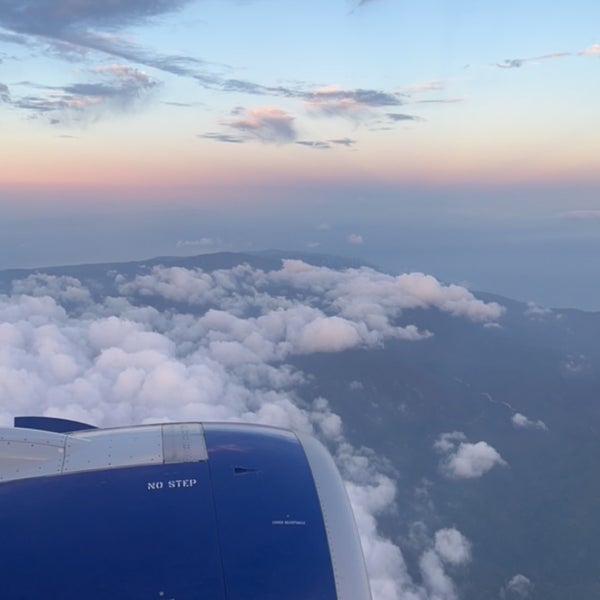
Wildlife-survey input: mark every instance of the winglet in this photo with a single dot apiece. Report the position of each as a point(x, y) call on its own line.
point(51, 424)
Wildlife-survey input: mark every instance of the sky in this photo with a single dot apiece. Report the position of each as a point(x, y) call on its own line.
point(457, 138)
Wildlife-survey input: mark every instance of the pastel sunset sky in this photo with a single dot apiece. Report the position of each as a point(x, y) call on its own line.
point(454, 137)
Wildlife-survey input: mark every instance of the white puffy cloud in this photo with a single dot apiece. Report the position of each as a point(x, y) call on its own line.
point(520, 421)
point(62, 288)
point(426, 290)
point(452, 546)
point(533, 310)
point(174, 283)
point(435, 579)
point(376, 297)
point(328, 334)
point(518, 587)
point(464, 460)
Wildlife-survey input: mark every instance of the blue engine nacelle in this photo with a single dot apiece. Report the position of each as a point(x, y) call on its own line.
point(173, 512)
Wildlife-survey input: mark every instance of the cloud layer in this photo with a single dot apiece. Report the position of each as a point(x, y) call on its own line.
point(217, 350)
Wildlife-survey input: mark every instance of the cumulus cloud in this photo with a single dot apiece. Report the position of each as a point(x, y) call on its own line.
point(267, 124)
point(67, 290)
point(533, 310)
point(435, 579)
point(375, 297)
point(520, 421)
point(452, 546)
point(355, 238)
point(328, 334)
point(217, 350)
point(427, 290)
point(464, 460)
point(518, 587)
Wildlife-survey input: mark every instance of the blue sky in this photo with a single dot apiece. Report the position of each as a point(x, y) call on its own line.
point(458, 138)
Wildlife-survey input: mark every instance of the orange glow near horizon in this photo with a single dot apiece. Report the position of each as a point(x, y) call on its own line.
point(209, 167)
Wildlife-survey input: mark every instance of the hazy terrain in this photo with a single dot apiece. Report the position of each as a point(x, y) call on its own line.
point(466, 425)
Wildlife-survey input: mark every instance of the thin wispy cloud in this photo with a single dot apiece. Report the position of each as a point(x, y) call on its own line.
point(54, 19)
point(117, 88)
point(581, 215)
point(4, 93)
point(223, 137)
point(593, 50)
point(440, 101)
point(424, 87)
point(73, 30)
point(327, 144)
point(516, 63)
point(348, 142)
point(398, 117)
point(317, 145)
point(356, 104)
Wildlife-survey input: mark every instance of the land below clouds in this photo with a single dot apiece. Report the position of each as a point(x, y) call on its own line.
point(465, 424)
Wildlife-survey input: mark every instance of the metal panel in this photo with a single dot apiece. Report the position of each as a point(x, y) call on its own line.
point(113, 448)
point(344, 543)
point(183, 442)
point(30, 453)
point(146, 533)
point(273, 541)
